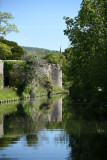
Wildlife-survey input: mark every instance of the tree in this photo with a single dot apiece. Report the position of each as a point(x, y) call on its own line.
point(6, 27)
point(87, 35)
point(10, 50)
point(54, 58)
point(5, 51)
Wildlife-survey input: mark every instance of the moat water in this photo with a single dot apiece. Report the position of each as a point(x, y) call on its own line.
point(51, 129)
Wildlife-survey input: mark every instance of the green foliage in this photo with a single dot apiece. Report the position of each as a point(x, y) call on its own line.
point(10, 50)
point(87, 61)
point(40, 90)
point(46, 83)
point(5, 51)
point(57, 89)
point(23, 74)
point(8, 93)
point(65, 68)
point(55, 58)
point(6, 27)
point(8, 67)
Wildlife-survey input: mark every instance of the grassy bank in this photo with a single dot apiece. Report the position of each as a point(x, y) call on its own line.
point(11, 93)
point(39, 91)
point(57, 89)
point(8, 94)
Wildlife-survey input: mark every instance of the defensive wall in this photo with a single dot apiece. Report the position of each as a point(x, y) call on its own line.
point(54, 71)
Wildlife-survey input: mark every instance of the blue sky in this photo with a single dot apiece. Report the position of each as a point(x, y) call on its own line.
point(40, 22)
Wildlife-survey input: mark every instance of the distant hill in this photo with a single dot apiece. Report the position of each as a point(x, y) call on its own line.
point(38, 51)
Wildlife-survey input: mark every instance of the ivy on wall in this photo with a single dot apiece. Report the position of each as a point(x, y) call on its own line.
point(8, 67)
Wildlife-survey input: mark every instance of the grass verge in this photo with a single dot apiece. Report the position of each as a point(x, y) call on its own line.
point(11, 93)
point(8, 94)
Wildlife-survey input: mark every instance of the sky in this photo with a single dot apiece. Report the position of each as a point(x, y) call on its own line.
point(40, 22)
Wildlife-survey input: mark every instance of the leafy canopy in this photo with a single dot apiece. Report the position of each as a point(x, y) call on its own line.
point(10, 50)
point(5, 26)
point(55, 58)
point(87, 35)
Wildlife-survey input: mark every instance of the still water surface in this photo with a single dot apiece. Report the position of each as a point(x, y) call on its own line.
point(51, 129)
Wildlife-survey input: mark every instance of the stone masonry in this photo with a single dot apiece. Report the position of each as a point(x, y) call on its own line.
point(54, 71)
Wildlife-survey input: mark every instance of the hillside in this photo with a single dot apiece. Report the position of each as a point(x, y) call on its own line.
point(38, 51)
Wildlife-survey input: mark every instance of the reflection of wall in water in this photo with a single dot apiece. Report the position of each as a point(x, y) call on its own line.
point(1, 126)
point(56, 114)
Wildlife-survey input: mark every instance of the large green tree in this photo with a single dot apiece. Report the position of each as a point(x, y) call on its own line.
point(5, 26)
point(5, 51)
point(87, 35)
point(10, 50)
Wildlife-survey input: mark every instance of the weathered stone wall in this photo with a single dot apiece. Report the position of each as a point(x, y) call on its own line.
point(54, 71)
point(45, 69)
point(1, 73)
point(56, 74)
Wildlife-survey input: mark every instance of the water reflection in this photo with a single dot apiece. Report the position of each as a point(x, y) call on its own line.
point(51, 129)
point(56, 113)
point(24, 130)
point(87, 131)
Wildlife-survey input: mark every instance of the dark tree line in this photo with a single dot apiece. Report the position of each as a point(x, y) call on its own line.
point(87, 55)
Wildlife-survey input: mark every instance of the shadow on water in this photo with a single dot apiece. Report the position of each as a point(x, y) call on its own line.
point(54, 127)
point(87, 130)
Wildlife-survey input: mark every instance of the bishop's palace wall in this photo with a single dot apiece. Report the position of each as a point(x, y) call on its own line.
point(52, 70)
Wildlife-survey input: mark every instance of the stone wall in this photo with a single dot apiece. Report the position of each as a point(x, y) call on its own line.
point(54, 71)
point(56, 74)
point(1, 73)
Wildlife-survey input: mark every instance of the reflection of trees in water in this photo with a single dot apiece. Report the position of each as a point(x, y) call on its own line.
point(88, 147)
point(5, 109)
point(29, 119)
point(87, 134)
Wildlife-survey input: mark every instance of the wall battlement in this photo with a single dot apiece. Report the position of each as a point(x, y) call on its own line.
point(1, 74)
